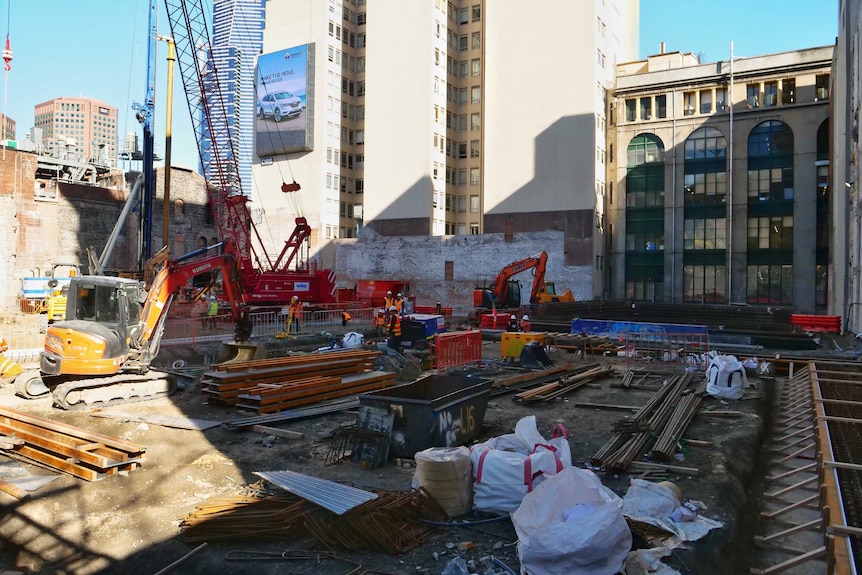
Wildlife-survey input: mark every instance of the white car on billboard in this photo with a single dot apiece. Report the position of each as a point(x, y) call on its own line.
point(279, 105)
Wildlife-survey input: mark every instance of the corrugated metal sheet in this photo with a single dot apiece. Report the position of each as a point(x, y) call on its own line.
point(330, 495)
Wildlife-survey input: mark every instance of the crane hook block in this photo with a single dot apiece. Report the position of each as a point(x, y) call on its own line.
point(292, 187)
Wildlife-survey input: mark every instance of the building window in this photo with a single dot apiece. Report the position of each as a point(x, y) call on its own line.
point(462, 204)
point(474, 176)
point(462, 177)
point(474, 148)
point(788, 91)
point(705, 168)
point(770, 94)
point(631, 110)
point(689, 103)
point(770, 163)
point(475, 123)
point(720, 99)
point(463, 16)
point(476, 40)
point(646, 108)
point(476, 67)
point(474, 204)
point(644, 263)
point(704, 284)
point(770, 284)
point(770, 232)
point(661, 106)
point(462, 150)
point(706, 101)
point(462, 43)
point(821, 87)
point(752, 96)
point(474, 229)
point(462, 96)
point(475, 94)
point(477, 12)
point(707, 234)
point(360, 19)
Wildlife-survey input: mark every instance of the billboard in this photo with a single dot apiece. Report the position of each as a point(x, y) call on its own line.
point(284, 101)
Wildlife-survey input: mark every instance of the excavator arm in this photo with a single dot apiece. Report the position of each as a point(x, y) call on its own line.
point(175, 274)
point(538, 261)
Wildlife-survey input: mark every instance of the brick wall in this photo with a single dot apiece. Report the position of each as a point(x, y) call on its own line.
point(36, 231)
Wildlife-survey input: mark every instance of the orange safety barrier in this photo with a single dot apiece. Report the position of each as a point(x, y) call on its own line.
point(823, 323)
point(457, 348)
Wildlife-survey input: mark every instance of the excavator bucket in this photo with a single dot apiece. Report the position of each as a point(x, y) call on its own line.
point(234, 352)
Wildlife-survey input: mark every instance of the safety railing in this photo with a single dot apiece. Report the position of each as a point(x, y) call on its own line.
point(687, 349)
point(456, 349)
point(268, 324)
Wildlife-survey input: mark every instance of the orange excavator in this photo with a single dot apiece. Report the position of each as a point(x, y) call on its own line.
point(102, 352)
point(506, 292)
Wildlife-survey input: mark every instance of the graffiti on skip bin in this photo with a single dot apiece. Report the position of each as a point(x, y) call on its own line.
point(454, 425)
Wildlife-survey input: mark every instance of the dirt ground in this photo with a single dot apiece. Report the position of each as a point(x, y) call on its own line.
point(130, 524)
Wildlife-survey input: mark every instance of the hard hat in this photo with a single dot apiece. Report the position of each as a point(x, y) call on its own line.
point(380, 310)
point(389, 293)
point(393, 308)
point(212, 296)
point(513, 317)
point(294, 298)
point(399, 294)
point(526, 317)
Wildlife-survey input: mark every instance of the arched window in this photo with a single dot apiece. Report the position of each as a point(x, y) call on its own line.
point(770, 162)
point(770, 214)
point(705, 224)
point(644, 188)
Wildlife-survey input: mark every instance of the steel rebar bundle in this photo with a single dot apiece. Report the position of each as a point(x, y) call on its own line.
point(667, 443)
point(623, 448)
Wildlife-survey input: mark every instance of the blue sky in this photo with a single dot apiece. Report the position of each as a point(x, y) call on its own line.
point(97, 49)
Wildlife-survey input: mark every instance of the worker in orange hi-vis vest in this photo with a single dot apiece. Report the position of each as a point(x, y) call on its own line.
point(399, 304)
point(380, 323)
point(388, 301)
point(294, 314)
point(345, 317)
point(394, 329)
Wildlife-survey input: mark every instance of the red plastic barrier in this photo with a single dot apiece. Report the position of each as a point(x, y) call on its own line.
point(432, 310)
point(822, 323)
point(457, 348)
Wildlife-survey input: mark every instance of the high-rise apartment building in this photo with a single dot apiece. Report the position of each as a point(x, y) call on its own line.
point(7, 127)
point(447, 118)
point(237, 40)
point(719, 180)
point(80, 129)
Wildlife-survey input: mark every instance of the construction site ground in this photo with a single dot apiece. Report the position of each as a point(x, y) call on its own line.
point(129, 523)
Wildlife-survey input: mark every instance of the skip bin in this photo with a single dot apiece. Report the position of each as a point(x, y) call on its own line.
point(433, 411)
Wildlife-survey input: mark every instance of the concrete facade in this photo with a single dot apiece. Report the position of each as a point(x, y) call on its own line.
point(430, 120)
point(49, 221)
point(846, 268)
point(716, 224)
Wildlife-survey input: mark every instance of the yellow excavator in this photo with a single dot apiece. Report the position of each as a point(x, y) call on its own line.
point(101, 353)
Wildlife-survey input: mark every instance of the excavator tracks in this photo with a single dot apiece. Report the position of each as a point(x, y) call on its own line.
point(116, 389)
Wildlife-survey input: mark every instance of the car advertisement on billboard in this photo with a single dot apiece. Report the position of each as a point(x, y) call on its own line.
point(284, 100)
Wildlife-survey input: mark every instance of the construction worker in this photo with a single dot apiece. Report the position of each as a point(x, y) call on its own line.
point(212, 312)
point(394, 329)
point(345, 317)
point(294, 314)
point(380, 323)
point(525, 323)
point(513, 324)
point(200, 308)
point(399, 304)
point(388, 301)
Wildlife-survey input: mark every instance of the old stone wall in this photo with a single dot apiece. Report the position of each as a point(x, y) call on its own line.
point(43, 222)
point(474, 260)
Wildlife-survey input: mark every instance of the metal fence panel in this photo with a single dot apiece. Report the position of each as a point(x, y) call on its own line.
point(457, 348)
point(688, 349)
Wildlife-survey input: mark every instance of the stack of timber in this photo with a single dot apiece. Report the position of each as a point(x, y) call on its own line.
point(564, 385)
point(66, 448)
point(224, 383)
